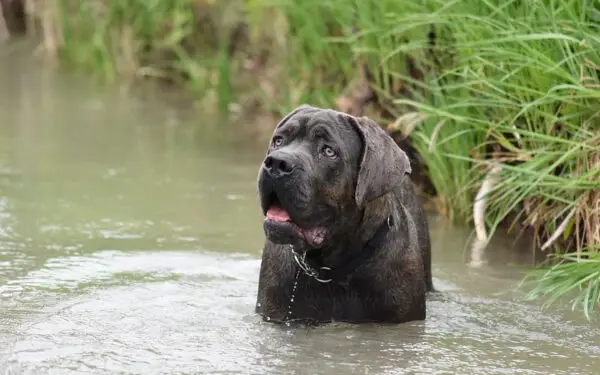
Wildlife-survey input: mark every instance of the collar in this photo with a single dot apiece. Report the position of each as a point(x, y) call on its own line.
point(310, 261)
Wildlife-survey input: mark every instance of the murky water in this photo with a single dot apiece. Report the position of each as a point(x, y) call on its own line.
point(130, 237)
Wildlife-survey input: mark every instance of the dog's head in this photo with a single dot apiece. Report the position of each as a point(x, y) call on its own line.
point(322, 168)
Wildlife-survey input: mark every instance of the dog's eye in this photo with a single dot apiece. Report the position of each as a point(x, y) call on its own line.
point(277, 141)
point(329, 152)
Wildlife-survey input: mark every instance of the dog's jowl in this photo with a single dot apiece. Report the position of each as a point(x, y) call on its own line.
point(346, 236)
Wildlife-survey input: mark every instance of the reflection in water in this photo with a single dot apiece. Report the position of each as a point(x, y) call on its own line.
point(130, 238)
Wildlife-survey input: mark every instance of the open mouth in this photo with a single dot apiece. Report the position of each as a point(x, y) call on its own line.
point(277, 214)
point(275, 210)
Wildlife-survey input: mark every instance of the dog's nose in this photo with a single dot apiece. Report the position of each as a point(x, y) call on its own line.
point(279, 165)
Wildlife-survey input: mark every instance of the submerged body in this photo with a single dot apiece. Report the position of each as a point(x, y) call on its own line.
point(346, 236)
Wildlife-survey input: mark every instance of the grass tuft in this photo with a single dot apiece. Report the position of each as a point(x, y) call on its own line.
point(575, 276)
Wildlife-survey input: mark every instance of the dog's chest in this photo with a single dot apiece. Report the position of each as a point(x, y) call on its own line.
point(329, 302)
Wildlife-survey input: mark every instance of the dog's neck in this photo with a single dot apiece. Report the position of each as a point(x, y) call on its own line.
point(351, 242)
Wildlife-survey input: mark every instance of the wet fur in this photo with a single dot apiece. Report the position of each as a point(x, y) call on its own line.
point(372, 183)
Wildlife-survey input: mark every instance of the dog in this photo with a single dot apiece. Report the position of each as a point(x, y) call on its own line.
point(347, 238)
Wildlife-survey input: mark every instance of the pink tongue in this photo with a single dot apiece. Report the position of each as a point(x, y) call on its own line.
point(277, 214)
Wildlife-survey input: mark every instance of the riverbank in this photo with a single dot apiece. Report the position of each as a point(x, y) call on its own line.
point(496, 102)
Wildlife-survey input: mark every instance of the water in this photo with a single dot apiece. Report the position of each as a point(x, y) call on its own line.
point(130, 237)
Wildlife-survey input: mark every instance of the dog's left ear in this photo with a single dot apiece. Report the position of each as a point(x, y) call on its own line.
point(383, 164)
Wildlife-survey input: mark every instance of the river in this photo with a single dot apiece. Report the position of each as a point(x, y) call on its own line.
point(130, 239)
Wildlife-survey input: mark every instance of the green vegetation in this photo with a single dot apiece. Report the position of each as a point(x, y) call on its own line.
point(513, 85)
point(571, 276)
point(195, 44)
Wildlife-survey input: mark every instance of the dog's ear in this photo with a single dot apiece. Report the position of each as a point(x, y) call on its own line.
point(383, 164)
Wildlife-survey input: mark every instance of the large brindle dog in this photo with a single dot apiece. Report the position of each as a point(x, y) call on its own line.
point(346, 236)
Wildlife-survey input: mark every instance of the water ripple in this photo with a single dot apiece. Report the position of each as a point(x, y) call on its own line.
point(185, 312)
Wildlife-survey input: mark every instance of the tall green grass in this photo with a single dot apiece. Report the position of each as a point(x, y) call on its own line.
point(175, 40)
point(124, 37)
point(572, 277)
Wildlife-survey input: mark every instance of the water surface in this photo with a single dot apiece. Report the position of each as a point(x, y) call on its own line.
point(130, 237)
